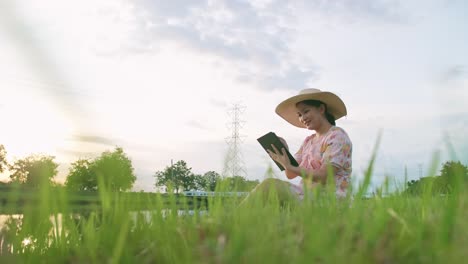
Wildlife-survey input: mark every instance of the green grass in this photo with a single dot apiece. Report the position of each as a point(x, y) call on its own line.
point(394, 229)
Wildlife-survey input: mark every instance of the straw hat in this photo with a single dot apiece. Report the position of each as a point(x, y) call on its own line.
point(287, 108)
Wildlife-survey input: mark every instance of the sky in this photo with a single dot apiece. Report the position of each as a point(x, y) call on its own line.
point(158, 79)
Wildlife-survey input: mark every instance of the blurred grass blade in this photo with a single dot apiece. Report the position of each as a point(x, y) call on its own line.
point(368, 173)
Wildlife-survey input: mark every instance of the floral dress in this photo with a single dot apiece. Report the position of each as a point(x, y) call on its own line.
point(333, 147)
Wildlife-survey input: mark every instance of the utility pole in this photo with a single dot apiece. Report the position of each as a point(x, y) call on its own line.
point(234, 163)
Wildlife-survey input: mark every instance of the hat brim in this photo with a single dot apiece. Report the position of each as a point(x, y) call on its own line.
point(288, 111)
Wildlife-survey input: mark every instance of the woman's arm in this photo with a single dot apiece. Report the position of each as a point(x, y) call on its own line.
point(317, 175)
point(291, 173)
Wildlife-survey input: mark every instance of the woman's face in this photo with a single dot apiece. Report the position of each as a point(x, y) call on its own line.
point(311, 116)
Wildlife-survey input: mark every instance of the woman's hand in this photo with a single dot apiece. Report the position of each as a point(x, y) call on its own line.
point(284, 142)
point(280, 157)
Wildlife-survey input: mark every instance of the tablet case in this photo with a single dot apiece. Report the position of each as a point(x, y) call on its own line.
point(271, 138)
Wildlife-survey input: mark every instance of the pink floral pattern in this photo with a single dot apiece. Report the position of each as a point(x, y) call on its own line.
point(334, 148)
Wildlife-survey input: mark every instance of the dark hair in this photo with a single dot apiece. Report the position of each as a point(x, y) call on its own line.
point(316, 103)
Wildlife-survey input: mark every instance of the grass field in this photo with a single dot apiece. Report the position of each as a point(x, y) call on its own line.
point(391, 229)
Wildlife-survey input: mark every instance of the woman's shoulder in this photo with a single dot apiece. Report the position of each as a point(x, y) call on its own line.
point(309, 138)
point(337, 129)
point(338, 132)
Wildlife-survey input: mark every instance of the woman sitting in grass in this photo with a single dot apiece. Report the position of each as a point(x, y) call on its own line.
point(328, 150)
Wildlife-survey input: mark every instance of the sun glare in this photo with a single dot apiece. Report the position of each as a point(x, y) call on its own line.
point(37, 128)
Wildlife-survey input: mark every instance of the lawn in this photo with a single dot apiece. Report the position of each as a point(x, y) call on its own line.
point(392, 229)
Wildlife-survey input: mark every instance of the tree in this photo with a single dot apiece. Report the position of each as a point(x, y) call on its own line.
point(3, 162)
point(207, 182)
point(238, 184)
point(199, 182)
point(34, 170)
point(452, 169)
point(211, 180)
point(81, 177)
point(177, 176)
point(452, 174)
point(114, 170)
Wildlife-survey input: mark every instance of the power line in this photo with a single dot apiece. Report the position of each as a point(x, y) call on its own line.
point(234, 163)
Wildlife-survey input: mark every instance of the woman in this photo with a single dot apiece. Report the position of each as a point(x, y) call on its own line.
point(328, 149)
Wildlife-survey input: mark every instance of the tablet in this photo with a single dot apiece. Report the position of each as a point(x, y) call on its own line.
point(271, 138)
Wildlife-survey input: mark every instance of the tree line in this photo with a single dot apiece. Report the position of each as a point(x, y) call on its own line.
point(179, 177)
point(453, 174)
point(113, 171)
